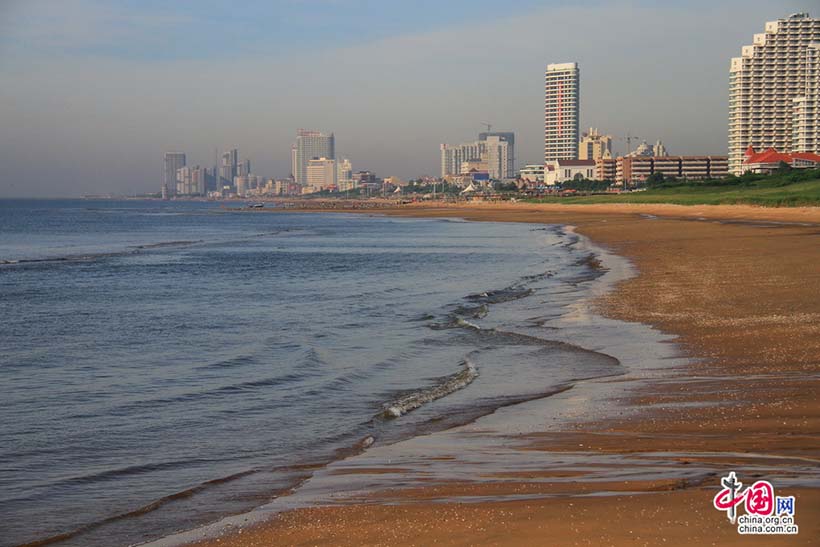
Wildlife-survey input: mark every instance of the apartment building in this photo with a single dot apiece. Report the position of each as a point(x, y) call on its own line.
point(636, 169)
point(606, 169)
point(493, 152)
point(562, 96)
point(773, 90)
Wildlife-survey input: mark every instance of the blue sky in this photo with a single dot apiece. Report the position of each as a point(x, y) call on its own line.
point(155, 30)
point(95, 92)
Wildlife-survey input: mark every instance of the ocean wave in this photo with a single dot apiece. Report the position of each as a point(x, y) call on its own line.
point(513, 292)
point(148, 508)
point(448, 385)
point(143, 247)
point(161, 244)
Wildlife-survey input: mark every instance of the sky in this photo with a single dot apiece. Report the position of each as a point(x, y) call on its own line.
point(93, 93)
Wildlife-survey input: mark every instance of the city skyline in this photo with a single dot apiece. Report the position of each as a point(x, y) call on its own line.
point(393, 91)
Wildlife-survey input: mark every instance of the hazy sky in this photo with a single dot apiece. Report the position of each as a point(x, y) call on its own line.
point(92, 93)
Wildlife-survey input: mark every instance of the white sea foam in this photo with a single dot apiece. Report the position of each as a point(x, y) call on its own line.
point(414, 400)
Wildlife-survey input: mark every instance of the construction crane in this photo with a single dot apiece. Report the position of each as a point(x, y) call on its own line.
point(629, 138)
point(488, 126)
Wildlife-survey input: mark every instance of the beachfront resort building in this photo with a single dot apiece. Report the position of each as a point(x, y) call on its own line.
point(562, 95)
point(771, 160)
point(773, 90)
point(310, 145)
point(173, 162)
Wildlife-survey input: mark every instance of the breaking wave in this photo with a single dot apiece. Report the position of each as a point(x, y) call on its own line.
point(448, 385)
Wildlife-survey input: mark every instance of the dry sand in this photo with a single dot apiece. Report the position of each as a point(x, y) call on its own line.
point(740, 287)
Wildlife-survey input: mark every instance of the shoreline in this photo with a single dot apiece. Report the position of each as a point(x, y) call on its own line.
point(681, 408)
point(366, 466)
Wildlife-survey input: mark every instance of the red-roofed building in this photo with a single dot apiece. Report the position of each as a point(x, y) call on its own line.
point(770, 160)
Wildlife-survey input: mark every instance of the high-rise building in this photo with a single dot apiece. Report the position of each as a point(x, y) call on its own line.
point(230, 166)
point(191, 181)
point(562, 95)
point(509, 138)
point(174, 161)
point(321, 174)
point(311, 145)
point(243, 168)
point(452, 156)
point(492, 152)
point(806, 112)
point(594, 146)
point(773, 90)
point(498, 158)
point(344, 171)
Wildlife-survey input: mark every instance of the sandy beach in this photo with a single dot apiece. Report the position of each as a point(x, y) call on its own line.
point(737, 287)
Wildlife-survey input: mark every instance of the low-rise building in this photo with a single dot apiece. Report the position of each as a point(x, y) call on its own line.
point(475, 164)
point(532, 174)
point(559, 171)
point(771, 160)
point(637, 169)
point(606, 169)
point(364, 177)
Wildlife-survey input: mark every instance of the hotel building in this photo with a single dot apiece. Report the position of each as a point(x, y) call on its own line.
point(321, 175)
point(311, 145)
point(561, 111)
point(773, 90)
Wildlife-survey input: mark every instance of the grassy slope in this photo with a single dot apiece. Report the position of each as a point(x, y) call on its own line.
point(768, 192)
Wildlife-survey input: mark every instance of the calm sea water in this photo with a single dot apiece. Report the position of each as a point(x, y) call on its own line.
point(165, 364)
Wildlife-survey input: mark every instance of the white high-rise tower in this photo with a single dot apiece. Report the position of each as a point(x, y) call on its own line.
point(773, 90)
point(562, 98)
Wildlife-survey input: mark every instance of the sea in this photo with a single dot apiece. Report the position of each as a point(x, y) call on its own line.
point(166, 364)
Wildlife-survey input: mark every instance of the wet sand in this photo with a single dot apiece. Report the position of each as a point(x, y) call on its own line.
point(739, 288)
